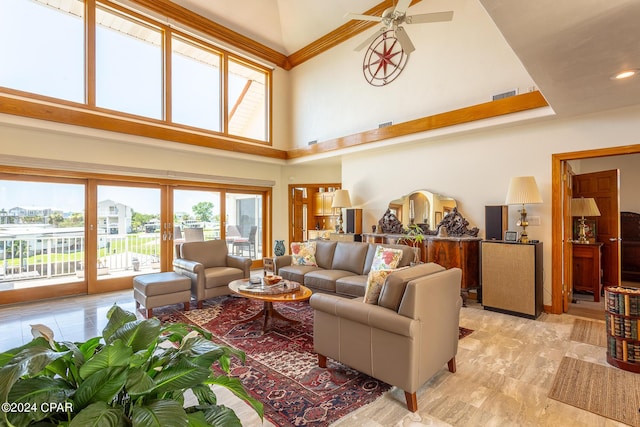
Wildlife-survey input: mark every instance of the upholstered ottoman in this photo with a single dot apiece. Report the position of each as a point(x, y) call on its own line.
point(158, 289)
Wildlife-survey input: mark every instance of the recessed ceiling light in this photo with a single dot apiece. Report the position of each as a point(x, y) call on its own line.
point(625, 74)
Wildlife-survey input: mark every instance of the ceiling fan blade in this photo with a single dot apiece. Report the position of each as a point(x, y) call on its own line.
point(402, 6)
point(404, 40)
point(368, 41)
point(429, 17)
point(363, 17)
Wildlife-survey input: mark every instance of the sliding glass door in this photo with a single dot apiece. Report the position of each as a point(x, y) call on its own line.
point(244, 224)
point(42, 237)
point(70, 236)
point(129, 231)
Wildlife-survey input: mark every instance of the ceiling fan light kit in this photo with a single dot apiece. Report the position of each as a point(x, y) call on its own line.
point(389, 47)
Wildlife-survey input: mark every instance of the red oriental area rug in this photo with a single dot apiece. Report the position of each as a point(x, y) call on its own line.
point(281, 369)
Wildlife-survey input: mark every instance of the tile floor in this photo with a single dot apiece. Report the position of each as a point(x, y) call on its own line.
point(505, 368)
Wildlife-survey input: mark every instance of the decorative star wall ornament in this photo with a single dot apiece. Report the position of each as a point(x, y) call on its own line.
point(384, 60)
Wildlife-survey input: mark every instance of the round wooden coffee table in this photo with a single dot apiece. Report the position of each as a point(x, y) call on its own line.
point(268, 311)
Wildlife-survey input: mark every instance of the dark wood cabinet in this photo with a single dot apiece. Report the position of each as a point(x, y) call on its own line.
point(587, 269)
point(630, 250)
point(463, 253)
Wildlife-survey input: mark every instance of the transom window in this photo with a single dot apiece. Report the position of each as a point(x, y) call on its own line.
point(127, 63)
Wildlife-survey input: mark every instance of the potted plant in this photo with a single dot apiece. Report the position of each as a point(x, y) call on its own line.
point(131, 375)
point(413, 236)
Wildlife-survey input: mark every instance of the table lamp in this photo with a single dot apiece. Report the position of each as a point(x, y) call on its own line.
point(523, 190)
point(341, 200)
point(583, 207)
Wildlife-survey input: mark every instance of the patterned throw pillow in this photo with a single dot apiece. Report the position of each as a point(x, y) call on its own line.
point(303, 253)
point(375, 280)
point(386, 258)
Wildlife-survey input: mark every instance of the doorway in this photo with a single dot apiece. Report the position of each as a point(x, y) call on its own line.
point(559, 286)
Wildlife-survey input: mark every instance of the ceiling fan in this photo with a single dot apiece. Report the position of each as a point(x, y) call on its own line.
point(392, 19)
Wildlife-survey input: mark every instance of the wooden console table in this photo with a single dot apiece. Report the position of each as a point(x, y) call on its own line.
point(449, 252)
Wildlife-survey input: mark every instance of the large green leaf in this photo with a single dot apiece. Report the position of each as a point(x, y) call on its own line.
point(139, 334)
point(175, 332)
point(221, 416)
point(115, 354)
point(99, 414)
point(203, 352)
point(6, 356)
point(235, 386)
point(138, 382)
point(117, 317)
point(204, 394)
point(39, 393)
point(88, 348)
point(181, 376)
point(102, 385)
point(160, 413)
point(29, 361)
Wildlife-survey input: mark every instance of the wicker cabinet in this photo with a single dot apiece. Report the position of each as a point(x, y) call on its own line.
point(512, 278)
point(622, 316)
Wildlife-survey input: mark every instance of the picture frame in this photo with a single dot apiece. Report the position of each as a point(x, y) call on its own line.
point(511, 236)
point(590, 229)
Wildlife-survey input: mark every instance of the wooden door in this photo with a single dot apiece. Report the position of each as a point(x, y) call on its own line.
point(567, 236)
point(297, 231)
point(604, 187)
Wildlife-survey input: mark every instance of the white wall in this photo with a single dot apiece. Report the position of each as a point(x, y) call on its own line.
point(475, 168)
point(456, 64)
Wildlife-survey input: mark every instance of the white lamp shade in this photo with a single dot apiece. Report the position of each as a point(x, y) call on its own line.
point(341, 199)
point(523, 190)
point(584, 207)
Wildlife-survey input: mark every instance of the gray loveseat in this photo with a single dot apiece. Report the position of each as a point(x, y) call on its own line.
point(404, 339)
point(342, 267)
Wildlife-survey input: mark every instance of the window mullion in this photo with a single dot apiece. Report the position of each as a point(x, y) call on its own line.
point(167, 58)
point(90, 52)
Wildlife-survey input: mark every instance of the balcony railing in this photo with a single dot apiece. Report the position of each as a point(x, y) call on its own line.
point(56, 257)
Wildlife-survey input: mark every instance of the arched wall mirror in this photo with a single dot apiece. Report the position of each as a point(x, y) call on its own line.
point(422, 207)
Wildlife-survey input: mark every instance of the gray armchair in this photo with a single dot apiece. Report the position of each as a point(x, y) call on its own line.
point(210, 268)
point(410, 335)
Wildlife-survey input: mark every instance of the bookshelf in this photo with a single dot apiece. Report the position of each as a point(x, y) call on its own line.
point(622, 315)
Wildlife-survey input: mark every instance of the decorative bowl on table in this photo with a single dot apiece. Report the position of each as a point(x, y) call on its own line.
point(271, 279)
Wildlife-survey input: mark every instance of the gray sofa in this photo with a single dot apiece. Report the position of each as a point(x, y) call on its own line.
point(342, 267)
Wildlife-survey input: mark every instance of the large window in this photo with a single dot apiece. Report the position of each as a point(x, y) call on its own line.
point(116, 58)
point(128, 65)
point(42, 47)
point(247, 98)
point(196, 99)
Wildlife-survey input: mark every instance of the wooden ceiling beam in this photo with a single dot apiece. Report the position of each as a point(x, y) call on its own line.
point(487, 110)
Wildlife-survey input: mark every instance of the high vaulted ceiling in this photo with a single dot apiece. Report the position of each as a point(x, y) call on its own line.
point(570, 48)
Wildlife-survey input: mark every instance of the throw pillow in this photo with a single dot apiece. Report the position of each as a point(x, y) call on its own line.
point(375, 280)
point(386, 258)
point(303, 253)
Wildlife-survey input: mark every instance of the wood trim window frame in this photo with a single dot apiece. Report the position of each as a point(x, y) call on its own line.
point(13, 101)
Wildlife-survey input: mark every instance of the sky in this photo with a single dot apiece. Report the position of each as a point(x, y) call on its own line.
point(70, 197)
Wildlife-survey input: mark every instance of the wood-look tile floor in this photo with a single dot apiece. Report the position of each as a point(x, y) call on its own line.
point(505, 368)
